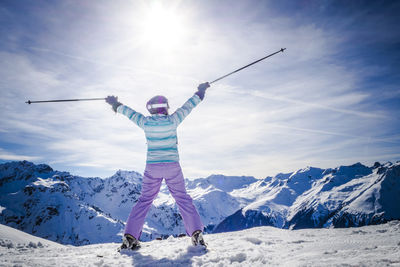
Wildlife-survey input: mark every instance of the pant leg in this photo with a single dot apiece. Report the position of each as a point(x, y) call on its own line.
point(150, 188)
point(176, 185)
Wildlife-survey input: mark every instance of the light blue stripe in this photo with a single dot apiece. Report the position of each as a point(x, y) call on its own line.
point(171, 130)
point(160, 128)
point(163, 149)
point(179, 116)
point(160, 139)
point(157, 123)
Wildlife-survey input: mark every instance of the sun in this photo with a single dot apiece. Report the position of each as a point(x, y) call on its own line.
point(163, 26)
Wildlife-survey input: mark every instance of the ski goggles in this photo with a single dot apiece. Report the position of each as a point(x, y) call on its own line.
point(161, 105)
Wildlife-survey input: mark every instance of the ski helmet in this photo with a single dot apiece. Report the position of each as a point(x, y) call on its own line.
point(158, 105)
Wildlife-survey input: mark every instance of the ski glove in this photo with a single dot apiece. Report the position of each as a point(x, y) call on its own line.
point(113, 101)
point(201, 90)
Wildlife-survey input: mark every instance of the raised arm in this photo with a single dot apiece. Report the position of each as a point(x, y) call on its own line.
point(132, 115)
point(180, 114)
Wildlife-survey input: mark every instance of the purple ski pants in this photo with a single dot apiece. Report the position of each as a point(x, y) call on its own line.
point(153, 176)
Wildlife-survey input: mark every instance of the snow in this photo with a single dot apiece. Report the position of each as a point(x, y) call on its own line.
point(375, 245)
point(13, 238)
point(48, 182)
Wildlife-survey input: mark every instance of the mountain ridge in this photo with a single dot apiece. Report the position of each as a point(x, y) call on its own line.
point(75, 210)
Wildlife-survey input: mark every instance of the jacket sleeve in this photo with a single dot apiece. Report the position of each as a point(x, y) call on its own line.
point(181, 113)
point(132, 115)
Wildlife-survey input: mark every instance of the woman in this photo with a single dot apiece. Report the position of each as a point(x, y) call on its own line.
point(162, 163)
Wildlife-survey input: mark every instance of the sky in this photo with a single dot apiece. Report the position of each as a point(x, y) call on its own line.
point(332, 98)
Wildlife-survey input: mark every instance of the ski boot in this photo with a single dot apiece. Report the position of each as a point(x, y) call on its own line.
point(197, 238)
point(129, 242)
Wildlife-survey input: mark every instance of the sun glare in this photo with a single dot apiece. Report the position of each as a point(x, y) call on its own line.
point(163, 27)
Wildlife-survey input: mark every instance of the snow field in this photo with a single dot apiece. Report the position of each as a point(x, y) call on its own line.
point(377, 245)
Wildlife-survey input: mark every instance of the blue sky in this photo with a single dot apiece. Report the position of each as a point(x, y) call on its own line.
point(332, 98)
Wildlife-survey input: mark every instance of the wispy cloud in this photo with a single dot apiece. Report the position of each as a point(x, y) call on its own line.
point(307, 106)
point(8, 155)
point(350, 98)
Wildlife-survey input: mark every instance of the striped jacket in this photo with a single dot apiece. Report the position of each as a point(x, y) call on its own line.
point(160, 130)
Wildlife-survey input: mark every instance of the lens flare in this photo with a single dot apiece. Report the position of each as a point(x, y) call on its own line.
point(163, 27)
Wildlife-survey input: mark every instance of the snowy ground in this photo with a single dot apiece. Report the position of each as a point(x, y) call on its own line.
point(370, 245)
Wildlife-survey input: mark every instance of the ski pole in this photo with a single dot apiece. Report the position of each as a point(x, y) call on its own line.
point(64, 100)
point(220, 78)
point(248, 65)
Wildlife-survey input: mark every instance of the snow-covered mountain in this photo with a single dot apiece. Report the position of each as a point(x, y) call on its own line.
point(345, 196)
point(76, 210)
point(64, 208)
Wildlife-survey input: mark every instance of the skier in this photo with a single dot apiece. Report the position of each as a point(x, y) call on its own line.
point(162, 163)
